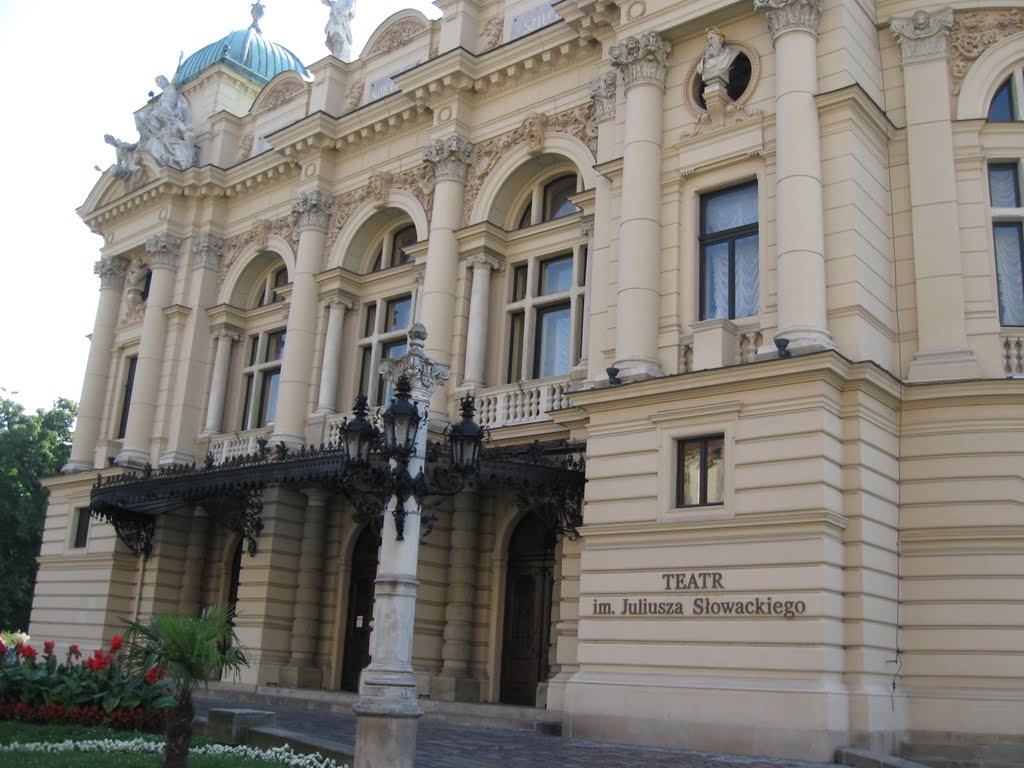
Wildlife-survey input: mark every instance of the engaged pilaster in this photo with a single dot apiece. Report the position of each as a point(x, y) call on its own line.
point(800, 222)
point(314, 210)
point(479, 318)
point(331, 367)
point(112, 271)
point(941, 323)
point(301, 672)
point(164, 253)
point(643, 63)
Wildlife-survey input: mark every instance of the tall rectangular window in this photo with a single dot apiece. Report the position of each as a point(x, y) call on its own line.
point(729, 267)
point(262, 378)
point(384, 337)
point(551, 346)
point(126, 396)
point(81, 528)
point(700, 471)
point(1008, 238)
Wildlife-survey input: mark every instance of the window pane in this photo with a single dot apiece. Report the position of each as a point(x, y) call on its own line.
point(275, 347)
point(552, 345)
point(715, 471)
point(716, 281)
point(556, 198)
point(268, 400)
point(281, 277)
point(126, 399)
point(82, 529)
point(1003, 187)
point(1001, 109)
point(371, 320)
point(399, 313)
point(519, 283)
point(731, 208)
point(746, 276)
point(364, 371)
point(1008, 267)
point(384, 390)
point(253, 348)
point(515, 349)
point(527, 218)
point(404, 237)
point(690, 470)
point(556, 275)
point(248, 401)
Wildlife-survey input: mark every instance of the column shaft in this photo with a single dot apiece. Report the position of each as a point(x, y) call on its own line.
point(476, 335)
point(191, 601)
point(94, 388)
point(332, 357)
point(219, 383)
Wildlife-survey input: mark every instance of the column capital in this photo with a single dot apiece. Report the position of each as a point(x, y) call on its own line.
point(602, 93)
point(164, 250)
point(112, 271)
point(923, 36)
point(642, 59)
point(229, 334)
point(485, 261)
point(790, 15)
point(450, 157)
point(342, 301)
point(314, 209)
point(208, 251)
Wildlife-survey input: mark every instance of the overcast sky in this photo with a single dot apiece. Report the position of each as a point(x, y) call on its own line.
point(73, 72)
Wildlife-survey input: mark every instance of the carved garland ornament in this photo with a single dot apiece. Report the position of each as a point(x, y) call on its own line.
point(397, 35)
point(284, 93)
point(258, 235)
point(578, 122)
point(973, 34)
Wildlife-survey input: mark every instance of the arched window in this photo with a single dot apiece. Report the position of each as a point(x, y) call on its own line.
point(549, 200)
point(267, 292)
point(1007, 104)
point(392, 249)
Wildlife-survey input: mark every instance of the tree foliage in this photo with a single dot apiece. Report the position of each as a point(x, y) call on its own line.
point(32, 446)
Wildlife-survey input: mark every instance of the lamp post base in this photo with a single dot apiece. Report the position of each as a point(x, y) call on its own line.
point(386, 732)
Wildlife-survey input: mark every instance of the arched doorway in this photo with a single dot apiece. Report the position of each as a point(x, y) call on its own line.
point(360, 609)
point(526, 635)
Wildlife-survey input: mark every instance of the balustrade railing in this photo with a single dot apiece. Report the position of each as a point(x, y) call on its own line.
point(229, 446)
point(525, 403)
point(1013, 353)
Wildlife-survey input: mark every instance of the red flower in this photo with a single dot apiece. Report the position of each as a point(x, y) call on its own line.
point(28, 652)
point(3, 648)
point(74, 652)
point(155, 674)
point(48, 648)
point(115, 644)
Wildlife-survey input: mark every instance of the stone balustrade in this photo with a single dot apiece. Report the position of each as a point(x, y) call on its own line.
point(524, 403)
point(228, 446)
point(1013, 352)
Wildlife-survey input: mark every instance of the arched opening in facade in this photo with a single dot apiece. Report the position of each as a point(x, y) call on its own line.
point(527, 630)
point(358, 617)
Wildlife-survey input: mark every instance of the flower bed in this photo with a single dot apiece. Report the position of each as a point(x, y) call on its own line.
point(36, 688)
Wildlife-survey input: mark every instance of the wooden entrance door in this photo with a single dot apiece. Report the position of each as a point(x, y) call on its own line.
point(526, 635)
point(360, 609)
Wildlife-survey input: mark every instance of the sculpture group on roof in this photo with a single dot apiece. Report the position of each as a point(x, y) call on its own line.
point(165, 133)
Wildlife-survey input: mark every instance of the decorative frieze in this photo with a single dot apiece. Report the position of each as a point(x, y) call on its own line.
point(450, 158)
point(922, 36)
point(112, 271)
point(207, 251)
point(380, 186)
point(642, 59)
point(577, 122)
point(258, 237)
point(790, 15)
point(164, 250)
point(314, 210)
point(602, 93)
point(282, 94)
point(973, 34)
point(397, 35)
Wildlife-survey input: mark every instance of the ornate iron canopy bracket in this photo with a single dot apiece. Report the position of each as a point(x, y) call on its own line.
point(136, 531)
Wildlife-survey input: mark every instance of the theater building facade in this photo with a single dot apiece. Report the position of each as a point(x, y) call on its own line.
point(790, 516)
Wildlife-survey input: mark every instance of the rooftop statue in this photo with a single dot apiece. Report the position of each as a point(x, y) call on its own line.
point(126, 163)
point(164, 129)
point(256, 9)
point(717, 58)
point(339, 28)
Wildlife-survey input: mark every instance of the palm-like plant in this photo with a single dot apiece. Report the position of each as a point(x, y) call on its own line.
point(189, 650)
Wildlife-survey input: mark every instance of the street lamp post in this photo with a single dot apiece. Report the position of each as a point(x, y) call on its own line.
point(388, 710)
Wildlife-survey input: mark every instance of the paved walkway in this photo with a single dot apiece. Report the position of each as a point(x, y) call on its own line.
point(447, 746)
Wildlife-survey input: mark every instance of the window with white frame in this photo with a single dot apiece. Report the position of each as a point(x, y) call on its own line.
point(385, 324)
point(549, 200)
point(729, 261)
point(1007, 104)
point(700, 471)
point(391, 251)
point(545, 314)
point(1004, 185)
point(262, 378)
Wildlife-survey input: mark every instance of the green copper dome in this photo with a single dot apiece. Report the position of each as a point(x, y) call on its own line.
point(248, 53)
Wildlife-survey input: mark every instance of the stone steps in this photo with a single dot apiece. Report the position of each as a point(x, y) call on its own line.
point(964, 755)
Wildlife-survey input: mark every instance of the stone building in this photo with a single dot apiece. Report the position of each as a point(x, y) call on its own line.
point(794, 227)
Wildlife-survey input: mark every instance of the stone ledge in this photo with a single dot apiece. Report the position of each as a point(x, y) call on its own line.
point(862, 758)
point(231, 726)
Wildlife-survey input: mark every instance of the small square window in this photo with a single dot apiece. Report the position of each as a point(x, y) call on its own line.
point(370, 321)
point(81, 529)
point(555, 276)
point(700, 474)
point(399, 312)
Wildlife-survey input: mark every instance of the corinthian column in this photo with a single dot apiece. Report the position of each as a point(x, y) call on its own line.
point(479, 309)
point(314, 209)
point(112, 270)
point(164, 251)
point(332, 353)
point(450, 158)
point(938, 270)
point(219, 382)
point(643, 62)
point(799, 205)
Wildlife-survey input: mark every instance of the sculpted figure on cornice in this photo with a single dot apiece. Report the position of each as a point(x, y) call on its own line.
point(922, 37)
point(397, 35)
point(578, 122)
point(973, 34)
point(789, 15)
point(339, 28)
point(602, 93)
point(164, 129)
point(642, 59)
point(258, 237)
point(126, 163)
